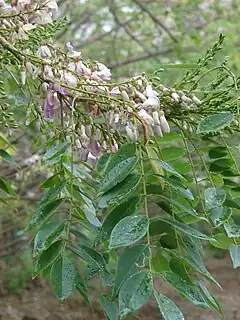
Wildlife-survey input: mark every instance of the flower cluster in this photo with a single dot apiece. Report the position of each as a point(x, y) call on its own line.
point(105, 112)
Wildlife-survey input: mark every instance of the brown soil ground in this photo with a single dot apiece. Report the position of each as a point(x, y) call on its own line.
point(39, 303)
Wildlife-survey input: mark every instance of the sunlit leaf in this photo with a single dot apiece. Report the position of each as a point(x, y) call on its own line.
point(128, 231)
point(215, 122)
point(47, 235)
point(134, 293)
point(235, 255)
point(127, 264)
point(130, 207)
point(55, 152)
point(168, 308)
point(47, 258)
point(109, 307)
point(214, 197)
point(62, 278)
point(121, 192)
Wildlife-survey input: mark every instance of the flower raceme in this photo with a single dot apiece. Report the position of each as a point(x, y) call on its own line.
point(106, 113)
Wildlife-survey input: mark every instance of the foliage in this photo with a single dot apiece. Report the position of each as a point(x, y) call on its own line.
point(107, 155)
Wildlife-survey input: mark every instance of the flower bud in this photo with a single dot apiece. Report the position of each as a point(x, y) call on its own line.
point(146, 117)
point(125, 96)
point(84, 155)
point(196, 101)
point(116, 118)
point(45, 86)
point(153, 102)
point(44, 52)
point(158, 131)
point(149, 91)
point(186, 99)
point(23, 77)
point(175, 96)
point(164, 124)
point(141, 96)
point(131, 133)
point(114, 146)
point(156, 118)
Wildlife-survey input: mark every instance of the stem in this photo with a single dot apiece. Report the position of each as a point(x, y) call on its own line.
point(145, 196)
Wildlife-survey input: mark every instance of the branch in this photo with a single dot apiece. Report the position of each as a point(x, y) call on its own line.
point(147, 56)
point(154, 19)
point(112, 9)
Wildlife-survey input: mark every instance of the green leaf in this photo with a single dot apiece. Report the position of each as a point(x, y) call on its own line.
point(172, 153)
point(127, 264)
point(168, 168)
point(160, 263)
point(183, 168)
point(103, 163)
point(50, 233)
point(47, 205)
point(128, 231)
point(62, 278)
point(55, 152)
point(7, 157)
point(47, 258)
point(223, 164)
point(169, 137)
point(209, 297)
point(109, 307)
point(117, 174)
point(81, 286)
point(134, 293)
point(180, 191)
point(50, 182)
point(221, 241)
point(186, 288)
point(121, 192)
point(91, 256)
point(126, 151)
point(217, 152)
point(215, 122)
point(43, 213)
point(220, 215)
point(195, 258)
point(214, 197)
point(6, 187)
point(235, 255)
point(130, 207)
point(233, 231)
point(168, 308)
point(179, 226)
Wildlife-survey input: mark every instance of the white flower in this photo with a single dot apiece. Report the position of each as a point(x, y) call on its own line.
point(48, 73)
point(175, 96)
point(115, 91)
point(146, 117)
point(68, 78)
point(153, 102)
point(131, 133)
point(140, 95)
point(44, 52)
point(156, 118)
point(149, 91)
point(164, 124)
point(23, 77)
point(28, 26)
point(186, 99)
point(43, 17)
point(158, 131)
point(125, 96)
point(51, 4)
point(196, 101)
point(104, 73)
